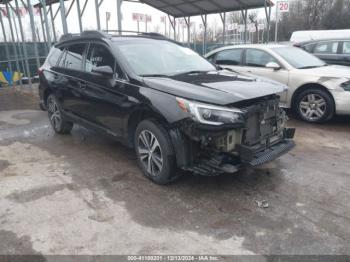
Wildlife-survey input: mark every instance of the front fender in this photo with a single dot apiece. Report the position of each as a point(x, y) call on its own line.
point(163, 104)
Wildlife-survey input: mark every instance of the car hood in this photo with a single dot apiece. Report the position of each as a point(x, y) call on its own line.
point(332, 71)
point(220, 88)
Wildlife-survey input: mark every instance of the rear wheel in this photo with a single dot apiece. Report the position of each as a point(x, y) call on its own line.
point(58, 123)
point(314, 106)
point(155, 152)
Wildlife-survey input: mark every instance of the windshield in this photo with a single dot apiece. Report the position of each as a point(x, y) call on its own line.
point(149, 57)
point(299, 58)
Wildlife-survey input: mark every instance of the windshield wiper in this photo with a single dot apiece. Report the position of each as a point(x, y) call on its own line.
point(154, 75)
point(191, 72)
point(309, 67)
point(229, 69)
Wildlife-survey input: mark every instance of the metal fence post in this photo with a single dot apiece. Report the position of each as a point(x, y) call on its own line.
point(43, 29)
point(14, 44)
point(223, 19)
point(6, 44)
point(53, 24)
point(32, 25)
point(119, 14)
point(63, 17)
point(48, 35)
point(79, 16)
point(25, 53)
point(204, 19)
point(98, 15)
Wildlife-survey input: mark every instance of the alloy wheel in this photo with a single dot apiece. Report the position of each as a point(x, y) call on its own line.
point(150, 153)
point(313, 107)
point(54, 114)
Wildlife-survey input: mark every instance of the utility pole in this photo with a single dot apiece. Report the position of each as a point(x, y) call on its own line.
point(276, 25)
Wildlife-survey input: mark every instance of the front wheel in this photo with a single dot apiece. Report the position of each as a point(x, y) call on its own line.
point(155, 152)
point(58, 123)
point(314, 106)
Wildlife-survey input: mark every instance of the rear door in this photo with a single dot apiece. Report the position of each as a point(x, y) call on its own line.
point(104, 94)
point(50, 76)
point(70, 69)
point(328, 51)
point(345, 53)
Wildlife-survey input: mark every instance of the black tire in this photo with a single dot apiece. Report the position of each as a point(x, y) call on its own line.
point(58, 123)
point(165, 152)
point(311, 111)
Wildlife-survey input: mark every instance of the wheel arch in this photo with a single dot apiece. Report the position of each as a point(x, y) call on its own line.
point(139, 115)
point(306, 86)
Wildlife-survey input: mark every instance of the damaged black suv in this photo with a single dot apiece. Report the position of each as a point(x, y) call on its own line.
point(173, 106)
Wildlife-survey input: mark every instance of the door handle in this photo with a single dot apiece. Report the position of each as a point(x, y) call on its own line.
point(82, 85)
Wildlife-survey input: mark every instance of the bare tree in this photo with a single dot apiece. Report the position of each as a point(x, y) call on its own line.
point(253, 19)
point(315, 11)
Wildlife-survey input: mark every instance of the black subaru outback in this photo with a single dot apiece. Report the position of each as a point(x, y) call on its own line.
point(174, 107)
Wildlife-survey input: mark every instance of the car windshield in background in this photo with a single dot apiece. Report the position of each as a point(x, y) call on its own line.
point(157, 58)
point(299, 58)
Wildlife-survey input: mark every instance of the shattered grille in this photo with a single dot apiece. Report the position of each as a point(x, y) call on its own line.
point(263, 122)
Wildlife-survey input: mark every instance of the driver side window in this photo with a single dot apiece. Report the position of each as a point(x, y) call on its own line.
point(258, 58)
point(97, 56)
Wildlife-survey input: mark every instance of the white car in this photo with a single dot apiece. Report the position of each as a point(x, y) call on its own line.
point(316, 92)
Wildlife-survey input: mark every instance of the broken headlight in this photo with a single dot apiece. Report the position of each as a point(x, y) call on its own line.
point(210, 114)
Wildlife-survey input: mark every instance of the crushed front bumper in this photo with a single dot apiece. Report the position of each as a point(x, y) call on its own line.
point(253, 157)
point(271, 153)
point(212, 162)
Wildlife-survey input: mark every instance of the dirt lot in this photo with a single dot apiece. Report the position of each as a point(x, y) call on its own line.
point(83, 194)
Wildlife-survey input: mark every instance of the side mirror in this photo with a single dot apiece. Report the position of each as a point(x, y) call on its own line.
point(103, 70)
point(273, 65)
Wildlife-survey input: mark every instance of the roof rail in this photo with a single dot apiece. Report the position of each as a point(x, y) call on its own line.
point(88, 33)
point(105, 34)
point(150, 34)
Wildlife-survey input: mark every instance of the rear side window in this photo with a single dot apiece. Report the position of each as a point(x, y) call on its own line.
point(54, 56)
point(346, 48)
point(326, 48)
point(229, 57)
point(258, 58)
point(99, 55)
point(74, 57)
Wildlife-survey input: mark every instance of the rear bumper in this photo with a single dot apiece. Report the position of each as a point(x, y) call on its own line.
point(255, 158)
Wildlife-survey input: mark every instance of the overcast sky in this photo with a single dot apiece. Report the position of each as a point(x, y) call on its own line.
point(89, 18)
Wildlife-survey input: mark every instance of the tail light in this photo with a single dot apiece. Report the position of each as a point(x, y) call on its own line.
point(296, 45)
point(40, 71)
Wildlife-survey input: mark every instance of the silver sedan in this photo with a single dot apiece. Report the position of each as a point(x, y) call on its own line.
point(316, 92)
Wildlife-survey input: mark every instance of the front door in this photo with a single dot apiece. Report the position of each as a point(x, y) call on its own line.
point(104, 93)
point(255, 62)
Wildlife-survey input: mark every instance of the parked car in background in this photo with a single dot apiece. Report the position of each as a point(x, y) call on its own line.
point(166, 101)
point(317, 91)
point(311, 35)
point(332, 51)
